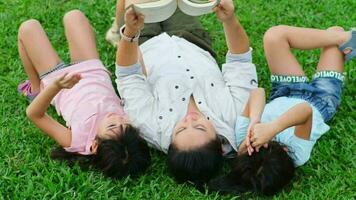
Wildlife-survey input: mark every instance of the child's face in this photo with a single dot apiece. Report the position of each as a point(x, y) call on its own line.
point(193, 131)
point(112, 125)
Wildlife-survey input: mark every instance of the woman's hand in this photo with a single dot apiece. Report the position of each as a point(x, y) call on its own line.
point(67, 81)
point(262, 133)
point(133, 21)
point(225, 10)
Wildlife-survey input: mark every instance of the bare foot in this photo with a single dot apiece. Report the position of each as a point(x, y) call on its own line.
point(344, 36)
point(347, 36)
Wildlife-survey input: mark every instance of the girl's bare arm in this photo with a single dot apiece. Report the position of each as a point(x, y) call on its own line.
point(256, 104)
point(36, 111)
point(299, 116)
point(236, 37)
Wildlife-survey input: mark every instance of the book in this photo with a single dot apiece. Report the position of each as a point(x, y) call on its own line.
point(160, 10)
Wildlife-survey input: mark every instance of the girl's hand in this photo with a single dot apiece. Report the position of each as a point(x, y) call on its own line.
point(67, 81)
point(225, 10)
point(134, 22)
point(249, 134)
point(262, 133)
point(242, 148)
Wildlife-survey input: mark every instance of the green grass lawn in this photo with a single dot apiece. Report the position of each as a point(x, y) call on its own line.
point(26, 170)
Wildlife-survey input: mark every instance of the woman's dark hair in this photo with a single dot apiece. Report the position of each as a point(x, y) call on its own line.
point(126, 154)
point(265, 172)
point(197, 165)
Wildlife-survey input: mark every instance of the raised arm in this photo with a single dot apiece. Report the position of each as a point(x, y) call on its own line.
point(236, 37)
point(36, 111)
point(239, 72)
point(127, 52)
point(299, 116)
point(253, 110)
point(256, 104)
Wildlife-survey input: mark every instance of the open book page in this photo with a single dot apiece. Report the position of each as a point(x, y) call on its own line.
point(197, 7)
point(128, 3)
point(200, 1)
point(155, 10)
point(160, 10)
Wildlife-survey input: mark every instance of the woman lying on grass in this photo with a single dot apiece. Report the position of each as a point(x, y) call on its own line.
point(184, 104)
point(277, 137)
point(98, 132)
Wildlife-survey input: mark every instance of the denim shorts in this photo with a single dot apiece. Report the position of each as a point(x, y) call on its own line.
point(323, 92)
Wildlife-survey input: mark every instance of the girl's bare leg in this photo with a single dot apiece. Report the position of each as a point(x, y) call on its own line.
point(80, 37)
point(331, 57)
point(29, 69)
point(36, 52)
point(113, 35)
point(279, 40)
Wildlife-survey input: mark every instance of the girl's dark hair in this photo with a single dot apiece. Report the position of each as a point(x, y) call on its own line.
point(126, 154)
point(265, 172)
point(198, 165)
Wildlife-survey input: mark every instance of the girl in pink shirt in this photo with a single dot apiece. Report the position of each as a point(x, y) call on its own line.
point(82, 93)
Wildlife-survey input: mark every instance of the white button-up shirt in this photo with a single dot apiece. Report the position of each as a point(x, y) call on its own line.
point(176, 70)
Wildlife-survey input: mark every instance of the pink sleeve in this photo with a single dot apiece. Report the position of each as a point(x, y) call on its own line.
point(83, 134)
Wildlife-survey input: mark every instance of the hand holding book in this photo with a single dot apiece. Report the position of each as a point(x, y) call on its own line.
point(134, 22)
point(225, 10)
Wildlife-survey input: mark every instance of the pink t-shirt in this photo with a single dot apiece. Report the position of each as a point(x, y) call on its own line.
point(87, 103)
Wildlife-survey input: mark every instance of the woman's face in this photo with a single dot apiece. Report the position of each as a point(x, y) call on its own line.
point(193, 131)
point(111, 126)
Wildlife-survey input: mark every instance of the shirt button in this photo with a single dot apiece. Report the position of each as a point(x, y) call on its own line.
point(199, 102)
point(192, 77)
point(212, 84)
point(179, 56)
point(122, 102)
point(160, 117)
point(170, 110)
point(176, 86)
point(253, 81)
point(187, 70)
point(183, 99)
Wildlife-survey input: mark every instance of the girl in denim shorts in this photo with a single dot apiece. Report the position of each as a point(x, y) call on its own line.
point(275, 138)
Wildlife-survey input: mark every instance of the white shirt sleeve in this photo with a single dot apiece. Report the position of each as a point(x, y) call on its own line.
point(140, 104)
point(240, 76)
